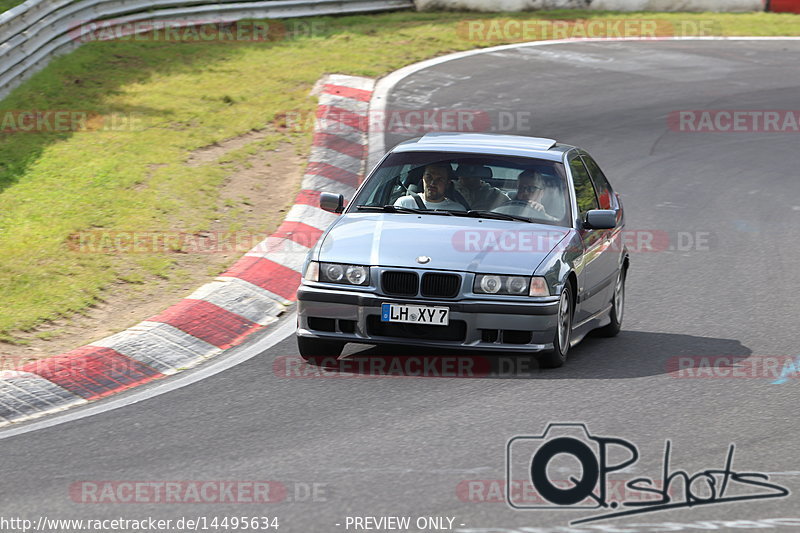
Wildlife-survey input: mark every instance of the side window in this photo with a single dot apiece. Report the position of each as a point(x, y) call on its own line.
point(604, 191)
point(584, 190)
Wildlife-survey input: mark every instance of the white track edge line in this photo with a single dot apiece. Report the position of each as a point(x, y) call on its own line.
point(174, 382)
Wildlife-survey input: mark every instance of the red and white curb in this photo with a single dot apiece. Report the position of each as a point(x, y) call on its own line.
point(242, 301)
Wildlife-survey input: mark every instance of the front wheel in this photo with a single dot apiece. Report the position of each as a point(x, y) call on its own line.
point(315, 350)
point(557, 357)
point(617, 308)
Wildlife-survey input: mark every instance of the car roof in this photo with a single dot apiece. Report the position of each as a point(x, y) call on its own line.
point(486, 143)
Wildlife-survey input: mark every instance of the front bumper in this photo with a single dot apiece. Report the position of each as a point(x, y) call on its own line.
point(352, 316)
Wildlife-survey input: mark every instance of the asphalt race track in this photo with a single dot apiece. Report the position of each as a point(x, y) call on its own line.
point(374, 446)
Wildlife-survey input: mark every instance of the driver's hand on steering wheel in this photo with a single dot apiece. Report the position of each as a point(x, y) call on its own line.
point(536, 205)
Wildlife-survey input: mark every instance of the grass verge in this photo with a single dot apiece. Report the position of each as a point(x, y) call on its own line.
point(5, 5)
point(170, 99)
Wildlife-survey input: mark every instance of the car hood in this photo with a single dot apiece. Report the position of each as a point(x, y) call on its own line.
point(452, 243)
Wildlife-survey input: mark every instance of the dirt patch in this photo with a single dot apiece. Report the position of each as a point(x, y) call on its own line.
point(254, 199)
point(209, 154)
point(264, 188)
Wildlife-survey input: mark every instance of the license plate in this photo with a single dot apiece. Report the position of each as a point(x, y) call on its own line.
point(415, 314)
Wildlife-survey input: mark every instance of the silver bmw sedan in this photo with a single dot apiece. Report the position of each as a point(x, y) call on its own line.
point(487, 242)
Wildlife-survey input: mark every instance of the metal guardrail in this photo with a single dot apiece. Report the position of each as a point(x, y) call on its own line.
point(33, 33)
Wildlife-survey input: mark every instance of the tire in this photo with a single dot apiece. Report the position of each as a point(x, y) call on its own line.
point(315, 351)
point(617, 308)
point(558, 355)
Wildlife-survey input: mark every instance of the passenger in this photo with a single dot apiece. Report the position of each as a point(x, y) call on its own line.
point(479, 195)
point(436, 180)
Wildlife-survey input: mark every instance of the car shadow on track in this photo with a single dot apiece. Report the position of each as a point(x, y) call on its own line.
point(629, 355)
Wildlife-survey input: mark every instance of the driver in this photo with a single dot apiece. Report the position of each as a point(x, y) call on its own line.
point(531, 190)
point(436, 180)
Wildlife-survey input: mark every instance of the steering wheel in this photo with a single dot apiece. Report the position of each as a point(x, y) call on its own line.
point(542, 215)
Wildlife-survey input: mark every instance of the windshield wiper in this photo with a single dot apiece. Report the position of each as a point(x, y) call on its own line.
point(491, 214)
point(388, 208)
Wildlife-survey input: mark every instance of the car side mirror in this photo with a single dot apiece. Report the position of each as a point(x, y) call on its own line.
point(600, 219)
point(333, 203)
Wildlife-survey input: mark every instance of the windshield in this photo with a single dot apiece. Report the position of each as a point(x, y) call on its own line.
point(525, 189)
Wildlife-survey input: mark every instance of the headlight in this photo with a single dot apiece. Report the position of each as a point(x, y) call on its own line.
point(356, 275)
point(516, 285)
point(489, 284)
point(338, 273)
point(332, 272)
point(510, 285)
